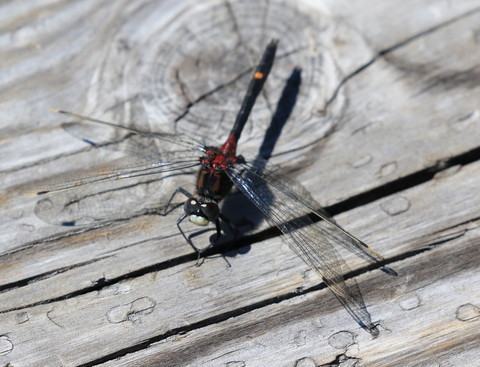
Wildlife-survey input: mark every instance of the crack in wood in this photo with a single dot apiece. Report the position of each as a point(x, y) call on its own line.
point(395, 47)
point(406, 182)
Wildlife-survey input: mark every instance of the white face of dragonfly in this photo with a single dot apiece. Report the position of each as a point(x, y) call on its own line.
point(201, 213)
point(198, 220)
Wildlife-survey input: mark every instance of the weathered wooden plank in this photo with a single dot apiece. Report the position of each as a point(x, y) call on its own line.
point(397, 20)
point(409, 117)
point(388, 84)
point(408, 110)
point(429, 317)
point(379, 149)
point(144, 307)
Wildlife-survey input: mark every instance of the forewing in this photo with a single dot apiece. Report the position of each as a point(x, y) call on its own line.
point(128, 167)
point(129, 140)
point(342, 237)
point(121, 188)
point(313, 242)
point(117, 188)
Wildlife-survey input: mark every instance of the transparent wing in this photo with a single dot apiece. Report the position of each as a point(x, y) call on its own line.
point(128, 167)
point(345, 239)
point(285, 208)
point(115, 139)
point(126, 139)
point(119, 189)
point(102, 193)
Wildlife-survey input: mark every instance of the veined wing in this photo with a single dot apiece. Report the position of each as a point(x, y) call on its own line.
point(124, 138)
point(313, 242)
point(110, 191)
point(344, 238)
point(87, 196)
point(128, 167)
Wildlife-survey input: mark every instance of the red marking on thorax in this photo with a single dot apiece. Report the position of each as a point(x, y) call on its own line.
point(223, 157)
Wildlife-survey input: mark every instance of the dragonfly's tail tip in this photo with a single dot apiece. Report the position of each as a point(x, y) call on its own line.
point(58, 110)
point(30, 193)
point(370, 328)
point(389, 271)
point(374, 332)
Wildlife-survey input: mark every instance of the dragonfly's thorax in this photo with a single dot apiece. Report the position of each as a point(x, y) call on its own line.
point(217, 159)
point(213, 183)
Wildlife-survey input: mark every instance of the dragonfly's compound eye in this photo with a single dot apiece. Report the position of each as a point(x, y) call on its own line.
point(210, 210)
point(191, 206)
point(201, 213)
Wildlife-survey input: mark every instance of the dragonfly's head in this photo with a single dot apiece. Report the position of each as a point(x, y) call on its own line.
point(201, 213)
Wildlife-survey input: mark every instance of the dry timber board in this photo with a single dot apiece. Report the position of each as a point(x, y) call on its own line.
point(413, 128)
point(374, 156)
point(429, 317)
point(141, 308)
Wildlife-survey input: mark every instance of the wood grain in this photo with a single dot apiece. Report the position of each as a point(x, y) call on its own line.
point(385, 124)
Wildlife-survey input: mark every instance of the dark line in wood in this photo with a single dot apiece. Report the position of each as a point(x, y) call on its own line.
point(235, 313)
point(100, 284)
point(231, 13)
point(209, 93)
point(396, 46)
point(91, 146)
point(54, 238)
point(46, 275)
point(183, 87)
point(224, 85)
point(404, 183)
point(429, 31)
point(458, 225)
point(388, 189)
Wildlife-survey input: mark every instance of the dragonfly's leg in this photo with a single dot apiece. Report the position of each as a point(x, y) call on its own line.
point(189, 241)
point(212, 243)
point(197, 250)
point(218, 234)
point(180, 190)
point(180, 220)
point(183, 191)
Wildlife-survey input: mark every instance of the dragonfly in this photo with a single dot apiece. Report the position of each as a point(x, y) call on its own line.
point(306, 227)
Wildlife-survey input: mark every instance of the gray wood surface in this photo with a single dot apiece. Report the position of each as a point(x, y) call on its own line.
point(384, 130)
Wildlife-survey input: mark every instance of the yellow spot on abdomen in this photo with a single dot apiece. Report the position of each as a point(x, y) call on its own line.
point(258, 75)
